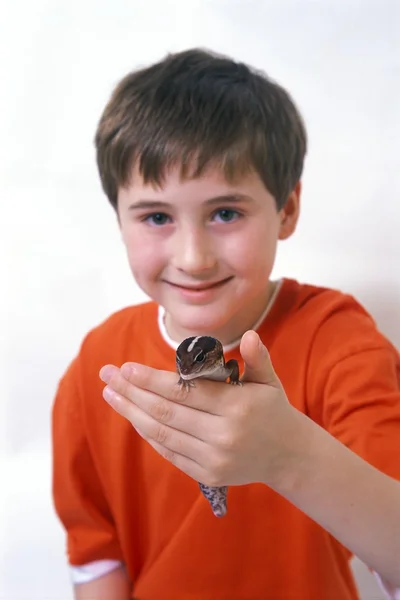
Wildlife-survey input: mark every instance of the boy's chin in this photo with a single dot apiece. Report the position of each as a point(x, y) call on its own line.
point(196, 321)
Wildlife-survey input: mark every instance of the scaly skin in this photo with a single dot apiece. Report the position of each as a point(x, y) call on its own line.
point(203, 357)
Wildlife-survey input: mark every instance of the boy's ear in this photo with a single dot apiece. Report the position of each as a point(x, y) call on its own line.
point(289, 214)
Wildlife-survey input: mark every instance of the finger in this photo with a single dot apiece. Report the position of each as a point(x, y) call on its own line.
point(201, 396)
point(190, 467)
point(172, 440)
point(257, 362)
point(173, 451)
point(162, 383)
point(183, 418)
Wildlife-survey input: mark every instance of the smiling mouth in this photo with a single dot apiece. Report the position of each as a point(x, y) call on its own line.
point(201, 288)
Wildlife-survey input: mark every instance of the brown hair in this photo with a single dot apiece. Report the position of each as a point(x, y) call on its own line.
point(196, 109)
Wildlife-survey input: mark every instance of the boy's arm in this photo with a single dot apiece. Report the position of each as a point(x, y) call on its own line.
point(115, 585)
point(354, 387)
point(356, 397)
point(358, 504)
point(93, 550)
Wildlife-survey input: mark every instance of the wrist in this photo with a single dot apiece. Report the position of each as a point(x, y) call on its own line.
point(295, 459)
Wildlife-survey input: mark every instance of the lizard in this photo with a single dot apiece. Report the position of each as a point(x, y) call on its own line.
point(203, 357)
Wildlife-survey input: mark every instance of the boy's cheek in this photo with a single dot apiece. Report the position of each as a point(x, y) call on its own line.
point(143, 255)
point(252, 260)
point(146, 267)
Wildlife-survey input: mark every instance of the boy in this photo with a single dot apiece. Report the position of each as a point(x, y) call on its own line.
point(202, 159)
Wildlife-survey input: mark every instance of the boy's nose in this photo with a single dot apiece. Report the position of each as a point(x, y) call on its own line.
point(193, 253)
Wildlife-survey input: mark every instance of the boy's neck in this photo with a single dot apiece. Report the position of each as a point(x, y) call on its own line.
point(231, 333)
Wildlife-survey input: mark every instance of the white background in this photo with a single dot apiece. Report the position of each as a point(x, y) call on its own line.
point(63, 267)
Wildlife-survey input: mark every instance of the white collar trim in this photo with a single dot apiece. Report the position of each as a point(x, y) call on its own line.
point(173, 344)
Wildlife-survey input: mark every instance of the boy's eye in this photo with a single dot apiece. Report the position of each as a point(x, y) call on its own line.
point(226, 215)
point(157, 218)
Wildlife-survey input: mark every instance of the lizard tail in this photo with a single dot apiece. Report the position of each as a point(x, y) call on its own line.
point(217, 497)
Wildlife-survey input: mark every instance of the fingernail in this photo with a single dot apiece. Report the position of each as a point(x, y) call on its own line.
point(106, 373)
point(127, 371)
point(108, 394)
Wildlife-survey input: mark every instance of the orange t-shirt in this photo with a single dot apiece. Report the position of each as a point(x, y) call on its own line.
point(118, 499)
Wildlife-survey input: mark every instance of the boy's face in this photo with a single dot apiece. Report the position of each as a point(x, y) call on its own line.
point(204, 249)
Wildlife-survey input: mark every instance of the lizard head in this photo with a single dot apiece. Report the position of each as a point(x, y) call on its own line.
point(199, 356)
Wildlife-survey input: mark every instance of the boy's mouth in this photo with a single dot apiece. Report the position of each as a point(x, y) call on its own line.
point(201, 287)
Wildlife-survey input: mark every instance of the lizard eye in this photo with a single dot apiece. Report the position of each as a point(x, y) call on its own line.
point(200, 356)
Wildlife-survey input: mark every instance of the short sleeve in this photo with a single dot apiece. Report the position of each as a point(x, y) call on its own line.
point(355, 389)
point(79, 499)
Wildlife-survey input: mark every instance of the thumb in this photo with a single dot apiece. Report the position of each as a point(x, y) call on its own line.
point(257, 363)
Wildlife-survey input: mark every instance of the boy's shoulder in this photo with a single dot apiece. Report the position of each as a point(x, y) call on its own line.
point(121, 320)
point(130, 334)
point(122, 331)
point(335, 318)
point(311, 296)
point(304, 300)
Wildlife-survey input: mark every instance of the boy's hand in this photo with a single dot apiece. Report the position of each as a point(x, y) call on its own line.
point(216, 433)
